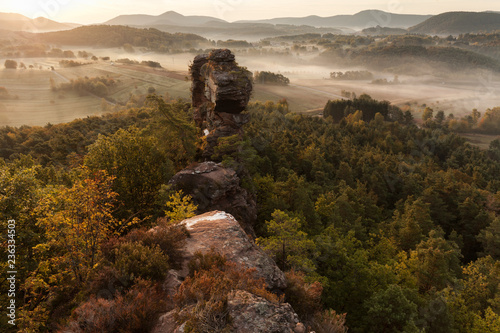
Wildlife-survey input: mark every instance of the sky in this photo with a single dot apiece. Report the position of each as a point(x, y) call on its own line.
point(98, 11)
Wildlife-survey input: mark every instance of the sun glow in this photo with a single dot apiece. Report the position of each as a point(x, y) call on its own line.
point(26, 7)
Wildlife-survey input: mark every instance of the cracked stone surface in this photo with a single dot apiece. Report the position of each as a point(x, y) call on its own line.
point(220, 92)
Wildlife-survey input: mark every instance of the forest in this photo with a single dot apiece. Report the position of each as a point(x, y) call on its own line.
point(391, 227)
point(117, 36)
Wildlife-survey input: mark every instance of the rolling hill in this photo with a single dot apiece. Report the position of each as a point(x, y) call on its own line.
point(361, 20)
point(18, 22)
point(459, 22)
point(167, 18)
point(378, 31)
point(247, 31)
point(214, 28)
point(117, 36)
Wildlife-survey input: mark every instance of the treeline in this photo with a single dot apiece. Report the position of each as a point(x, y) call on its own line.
point(99, 86)
point(52, 144)
point(388, 56)
point(34, 50)
point(117, 36)
point(364, 108)
point(364, 216)
point(148, 63)
point(475, 122)
point(264, 77)
point(231, 43)
point(71, 63)
point(351, 75)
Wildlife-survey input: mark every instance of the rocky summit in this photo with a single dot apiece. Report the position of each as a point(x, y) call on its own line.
point(221, 91)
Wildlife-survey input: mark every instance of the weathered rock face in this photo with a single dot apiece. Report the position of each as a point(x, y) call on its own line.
point(221, 91)
point(220, 231)
point(248, 312)
point(214, 187)
point(251, 313)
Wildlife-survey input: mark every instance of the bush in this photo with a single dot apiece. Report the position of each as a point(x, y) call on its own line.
point(305, 298)
point(96, 85)
point(135, 311)
point(203, 296)
point(205, 262)
point(169, 238)
point(70, 63)
point(271, 78)
point(10, 64)
point(351, 75)
point(151, 63)
point(329, 322)
point(137, 260)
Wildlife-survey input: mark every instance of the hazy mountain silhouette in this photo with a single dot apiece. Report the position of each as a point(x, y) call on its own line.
point(18, 22)
point(168, 18)
point(363, 19)
point(459, 22)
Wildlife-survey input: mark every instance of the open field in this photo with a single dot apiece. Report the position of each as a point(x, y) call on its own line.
point(309, 90)
point(481, 140)
point(36, 104)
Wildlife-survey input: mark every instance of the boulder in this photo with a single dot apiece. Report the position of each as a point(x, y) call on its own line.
point(220, 231)
point(214, 187)
point(250, 313)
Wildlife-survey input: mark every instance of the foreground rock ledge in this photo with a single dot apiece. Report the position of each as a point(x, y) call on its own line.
point(220, 231)
point(249, 314)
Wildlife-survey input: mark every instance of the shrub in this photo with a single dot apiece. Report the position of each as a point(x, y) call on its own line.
point(135, 311)
point(271, 78)
point(203, 296)
point(108, 282)
point(10, 64)
point(151, 63)
point(137, 260)
point(329, 322)
point(205, 262)
point(169, 238)
point(305, 298)
point(70, 63)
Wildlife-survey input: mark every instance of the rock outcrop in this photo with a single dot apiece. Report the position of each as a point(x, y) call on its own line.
point(220, 231)
point(221, 91)
point(214, 187)
point(248, 312)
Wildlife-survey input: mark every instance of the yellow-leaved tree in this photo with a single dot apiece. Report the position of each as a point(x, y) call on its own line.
point(180, 207)
point(74, 221)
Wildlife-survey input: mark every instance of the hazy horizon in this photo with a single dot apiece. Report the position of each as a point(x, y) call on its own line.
point(99, 11)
